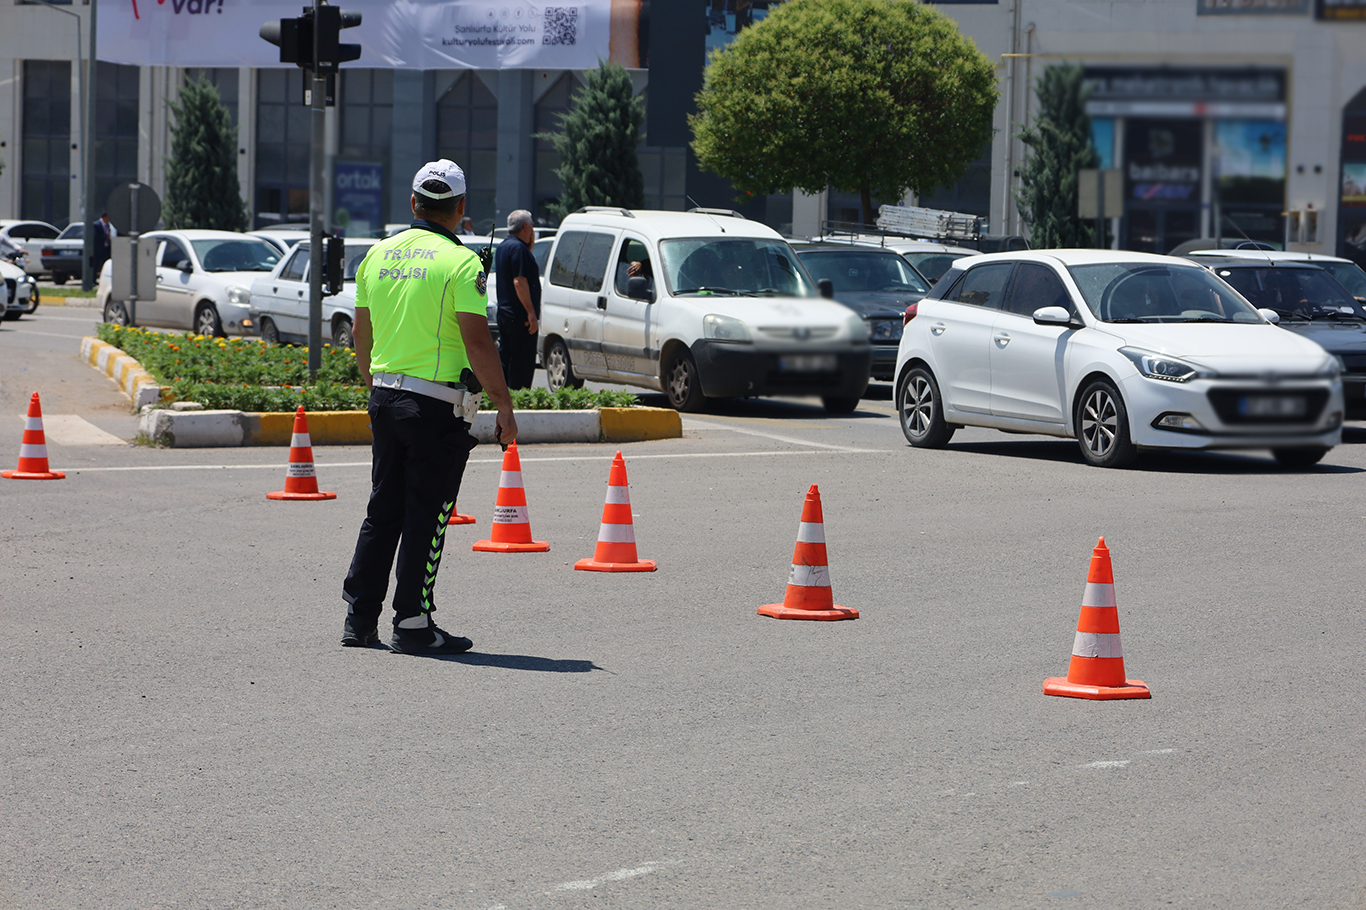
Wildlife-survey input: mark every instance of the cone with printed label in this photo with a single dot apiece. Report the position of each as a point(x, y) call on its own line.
point(33, 448)
point(808, 585)
point(301, 480)
point(511, 525)
point(1097, 668)
point(616, 550)
point(460, 518)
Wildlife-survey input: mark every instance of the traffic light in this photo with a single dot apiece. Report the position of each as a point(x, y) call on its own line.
point(336, 262)
point(331, 52)
point(294, 38)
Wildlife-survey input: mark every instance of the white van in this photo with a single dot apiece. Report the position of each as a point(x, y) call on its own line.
point(698, 305)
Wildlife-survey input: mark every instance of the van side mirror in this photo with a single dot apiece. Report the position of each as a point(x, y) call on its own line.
point(184, 265)
point(638, 288)
point(826, 287)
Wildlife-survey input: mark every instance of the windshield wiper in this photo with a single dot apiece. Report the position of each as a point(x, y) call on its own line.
point(1210, 319)
point(707, 290)
point(1126, 319)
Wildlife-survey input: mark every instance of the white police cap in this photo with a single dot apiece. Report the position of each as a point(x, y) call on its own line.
point(445, 170)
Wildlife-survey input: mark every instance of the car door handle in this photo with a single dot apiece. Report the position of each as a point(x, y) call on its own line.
point(159, 278)
point(602, 302)
point(275, 290)
point(1001, 338)
point(938, 328)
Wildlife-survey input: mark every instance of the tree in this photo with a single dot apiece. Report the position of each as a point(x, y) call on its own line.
point(1059, 144)
point(597, 144)
point(874, 97)
point(201, 173)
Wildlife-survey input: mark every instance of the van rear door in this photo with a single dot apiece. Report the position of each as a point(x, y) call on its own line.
point(574, 301)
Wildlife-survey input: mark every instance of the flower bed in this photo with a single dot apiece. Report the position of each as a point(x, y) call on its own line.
point(242, 374)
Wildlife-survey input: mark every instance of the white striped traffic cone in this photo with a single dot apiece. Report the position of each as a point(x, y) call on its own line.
point(616, 549)
point(301, 480)
point(33, 448)
point(808, 585)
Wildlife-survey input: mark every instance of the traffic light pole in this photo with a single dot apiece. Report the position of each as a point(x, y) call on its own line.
point(317, 167)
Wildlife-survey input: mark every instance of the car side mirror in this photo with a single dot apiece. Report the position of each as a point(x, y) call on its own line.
point(1052, 315)
point(184, 265)
point(638, 287)
point(1270, 316)
point(826, 287)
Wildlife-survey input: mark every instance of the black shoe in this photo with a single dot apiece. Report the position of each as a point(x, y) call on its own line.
point(355, 635)
point(430, 640)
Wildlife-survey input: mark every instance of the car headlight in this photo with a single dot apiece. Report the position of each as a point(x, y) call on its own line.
point(240, 296)
point(724, 328)
point(1167, 369)
point(858, 329)
point(885, 330)
point(1334, 368)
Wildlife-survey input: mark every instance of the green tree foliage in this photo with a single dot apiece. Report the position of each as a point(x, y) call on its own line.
point(597, 144)
point(201, 173)
point(874, 97)
point(1059, 144)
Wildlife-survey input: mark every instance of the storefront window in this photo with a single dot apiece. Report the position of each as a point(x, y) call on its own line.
point(1249, 160)
point(1352, 204)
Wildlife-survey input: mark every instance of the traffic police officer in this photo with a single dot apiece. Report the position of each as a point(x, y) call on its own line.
point(420, 327)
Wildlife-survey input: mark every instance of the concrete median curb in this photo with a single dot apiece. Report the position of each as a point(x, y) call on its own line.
point(135, 382)
point(207, 429)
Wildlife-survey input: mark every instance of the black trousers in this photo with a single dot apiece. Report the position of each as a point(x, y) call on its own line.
point(516, 350)
point(419, 454)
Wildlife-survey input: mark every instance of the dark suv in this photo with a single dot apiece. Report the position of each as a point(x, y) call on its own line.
point(876, 283)
point(1310, 302)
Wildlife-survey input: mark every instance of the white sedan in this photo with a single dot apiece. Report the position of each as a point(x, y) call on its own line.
point(1120, 351)
point(203, 282)
point(279, 301)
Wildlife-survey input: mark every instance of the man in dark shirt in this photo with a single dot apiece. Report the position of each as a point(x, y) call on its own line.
point(519, 301)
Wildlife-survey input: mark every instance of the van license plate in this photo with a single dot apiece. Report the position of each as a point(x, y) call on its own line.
point(1273, 406)
point(809, 363)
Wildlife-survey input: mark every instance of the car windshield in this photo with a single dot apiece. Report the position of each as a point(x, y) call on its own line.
point(1348, 274)
point(355, 254)
point(739, 267)
point(863, 270)
point(1296, 293)
point(1146, 292)
point(245, 255)
point(72, 232)
point(932, 265)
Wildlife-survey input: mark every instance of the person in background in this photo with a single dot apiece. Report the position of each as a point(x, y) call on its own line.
point(466, 227)
point(104, 236)
point(519, 301)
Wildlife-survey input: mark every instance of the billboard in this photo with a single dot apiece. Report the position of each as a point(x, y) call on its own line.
point(358, 197)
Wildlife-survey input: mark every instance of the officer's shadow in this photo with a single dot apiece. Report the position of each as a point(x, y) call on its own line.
point(516, 662)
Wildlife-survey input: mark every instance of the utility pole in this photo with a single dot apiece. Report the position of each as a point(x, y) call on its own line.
point(88, 276)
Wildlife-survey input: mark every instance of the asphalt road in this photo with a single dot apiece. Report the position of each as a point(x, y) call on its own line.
point(182, 729)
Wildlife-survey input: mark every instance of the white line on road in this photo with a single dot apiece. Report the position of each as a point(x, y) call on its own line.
point(1159, 752)
point(620, 875)
point(366, 464)
point(49, 335)
point(788, 439)
point(86, 319)
point(1105, 764)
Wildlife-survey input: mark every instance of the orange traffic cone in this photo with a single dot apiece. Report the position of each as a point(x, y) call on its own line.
point(616, 550)
point(1097, 668)
point(460, 518)
point(808, 586)
point(511, 527)
point(301, 481)
point(33, 448)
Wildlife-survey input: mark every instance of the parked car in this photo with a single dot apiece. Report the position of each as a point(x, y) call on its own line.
point(718, 307)
point(30, 237)
point(279, 301)
point(62, 256)
point(1346, 272)
point(1309, 302)
point(1119, 350)
point(929, 257)
point(204, 282)
point(876, 283)
point(283, 239)
point(1225, 244)
point(18, 291)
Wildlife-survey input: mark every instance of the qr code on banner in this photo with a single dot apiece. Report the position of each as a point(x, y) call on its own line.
point(561, 25)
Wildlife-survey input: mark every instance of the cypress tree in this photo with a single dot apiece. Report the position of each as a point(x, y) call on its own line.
point(201, 173)
point(597, 144)
point(1059, 144)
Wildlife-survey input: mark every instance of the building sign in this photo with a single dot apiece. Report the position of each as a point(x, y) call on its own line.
point(408, 34)
point(1244, 93)
point(1251, 7)
point(1350, 10)
point(1162, 160)
point(358, 197)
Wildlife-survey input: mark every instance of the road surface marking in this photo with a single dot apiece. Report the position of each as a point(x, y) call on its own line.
point(50, 335)
point(1105, 764)
point(620, 875)
point(1158, 752)
point(775, 436)
point(72, 430)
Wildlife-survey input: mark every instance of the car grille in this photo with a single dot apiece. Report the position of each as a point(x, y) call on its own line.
point(786, 379)
point(1354, 363)
point(1227, 402)
point(815, 333)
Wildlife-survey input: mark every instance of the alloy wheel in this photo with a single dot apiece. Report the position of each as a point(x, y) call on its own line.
point(917, 406)
point(1099, 423)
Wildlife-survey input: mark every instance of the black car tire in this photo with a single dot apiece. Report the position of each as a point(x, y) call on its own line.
point(840, 405)
point(115, 313)
point(206, 321)
point(1103, 426)
point(11, 315)
point(921, 410)
point(342, 336)
point(270, 333)
point(1300, 456)
point(559, 369)
point(682, 384)
point(59, 277)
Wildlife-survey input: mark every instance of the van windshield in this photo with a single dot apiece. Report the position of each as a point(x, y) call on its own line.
point(738, 267)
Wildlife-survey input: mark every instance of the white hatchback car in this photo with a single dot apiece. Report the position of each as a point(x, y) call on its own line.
point(203, 282)
point(1119, 350)
point(697, 305)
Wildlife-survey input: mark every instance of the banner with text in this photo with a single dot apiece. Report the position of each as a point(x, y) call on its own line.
point(407, 34)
